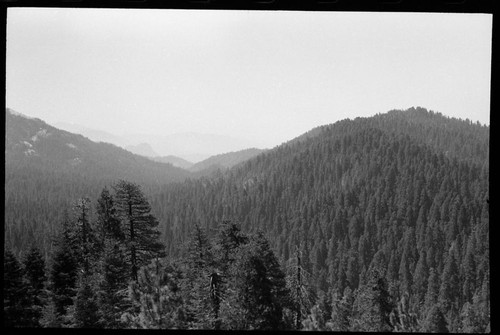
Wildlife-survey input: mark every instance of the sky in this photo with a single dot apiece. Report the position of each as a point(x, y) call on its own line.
point(264, 76)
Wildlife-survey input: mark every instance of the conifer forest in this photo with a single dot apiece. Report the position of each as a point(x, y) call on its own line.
point(373, 224)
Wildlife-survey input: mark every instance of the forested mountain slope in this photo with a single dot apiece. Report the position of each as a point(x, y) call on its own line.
point(406, 190)
point(47, 169)
point(402, 195)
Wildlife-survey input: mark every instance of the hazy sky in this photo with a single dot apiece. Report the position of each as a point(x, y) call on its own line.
point(265, 76)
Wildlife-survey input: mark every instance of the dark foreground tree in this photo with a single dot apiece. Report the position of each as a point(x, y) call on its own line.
point(84, 236)
point(373, 305)
point(85, 309)
point(113, 289)
point(50, 317)
point(341, 311)
point(64, 271)
point(139, 226)
point(107, 222)
point(157, 299)
point(16, 301)
point(257, 294)
point(435, 321)
point(34, 271)
point(201, 282)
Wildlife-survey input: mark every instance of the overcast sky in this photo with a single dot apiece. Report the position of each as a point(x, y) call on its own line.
point(264, 76)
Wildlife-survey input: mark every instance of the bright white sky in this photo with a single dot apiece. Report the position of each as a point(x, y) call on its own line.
point(263, 76)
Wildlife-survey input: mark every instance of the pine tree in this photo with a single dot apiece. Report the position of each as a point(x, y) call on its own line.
point(471, 321)
point(85, 310)
point(139, 225)
point(420, 277)
point(108, 222)
point(113, 289)
point(373, 305)
point(158, 297)
point(435, 321)
point(403, 318)
point(63, 270)
point(201, 283)
point(34, 271)
point(229, 238)
point(50, 317)
point(353, 270)
point(84, 236)
point(449, 292)
point(301, 291)
point(469, 271)
point(432, 293)
point(342, 311)
point(257, 293)
point(16, 299)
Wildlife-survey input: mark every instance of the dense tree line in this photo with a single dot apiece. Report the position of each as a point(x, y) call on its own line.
point(47, 169)
point(109, 270)
point(404, 191)
point(377, 223)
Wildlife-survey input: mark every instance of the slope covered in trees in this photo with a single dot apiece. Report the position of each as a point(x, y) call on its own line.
point(225, 161)
point(405, 191)
point(372, 224)
point(47, 169)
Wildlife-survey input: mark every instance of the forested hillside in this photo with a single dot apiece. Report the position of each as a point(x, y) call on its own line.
point(371, 224)
point(406, 191)
point(47, 169)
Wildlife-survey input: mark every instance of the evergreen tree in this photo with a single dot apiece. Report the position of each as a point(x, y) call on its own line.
point(471, 321)
point(301, 291)
point(108, 222)
point(50, 316)
point(201, 283)
point(420, 277)
point(342, 311)
point(84, 313)
point(16, 299)
point(373, 305)
point(229, 239)
point(158, 297)
point(84, 236)
point(63, 270)
point(34, 271)
point(435, 321)
point(403, 319)
point(113, 289)
point(469, 271)
point(140, 226)
point(449, 292)
point(432, 293)
point(257, 293)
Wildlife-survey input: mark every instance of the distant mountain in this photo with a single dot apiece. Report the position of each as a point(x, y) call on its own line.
point(33, 142)
point(143, 149)
point(94, 134)
point(225, 161)
point(47, 169)
point(193, 147)
point(174, 160)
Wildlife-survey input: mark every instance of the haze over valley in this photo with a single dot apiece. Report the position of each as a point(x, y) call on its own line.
point(190, 146)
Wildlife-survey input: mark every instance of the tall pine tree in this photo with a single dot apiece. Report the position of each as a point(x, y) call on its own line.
point(64, 270)
point(34, 266)
point(16, 299)
point(139, 226)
